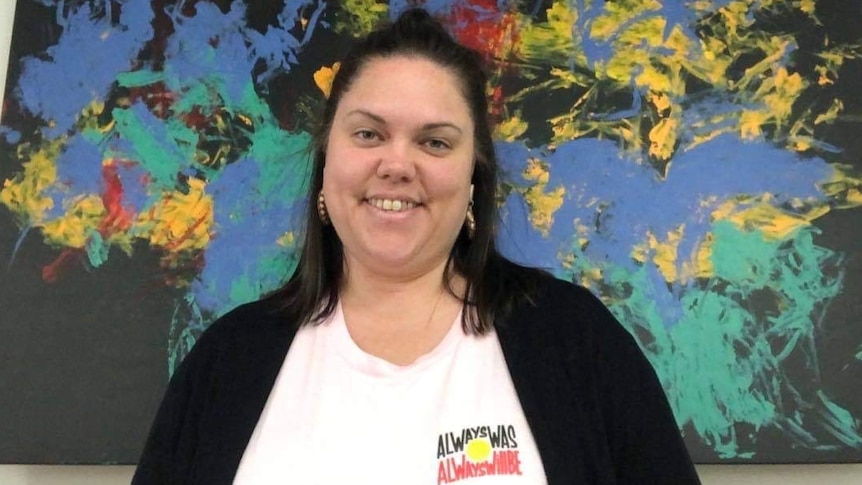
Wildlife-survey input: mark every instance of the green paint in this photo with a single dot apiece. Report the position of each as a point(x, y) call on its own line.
point(722, 357)
point(284, 161)
point(741, 257)
point(204, 97)
point(839, 422)
point(162, 148)
point(139, 78)
point(97, 250)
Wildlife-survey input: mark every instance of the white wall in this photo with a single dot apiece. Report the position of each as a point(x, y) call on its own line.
point(114, 475)
point(7, 13)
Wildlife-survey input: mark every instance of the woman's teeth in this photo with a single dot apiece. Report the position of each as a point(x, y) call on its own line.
point(392, 205)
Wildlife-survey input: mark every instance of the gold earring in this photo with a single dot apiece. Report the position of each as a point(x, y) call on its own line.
point(470, 219)
point(321, 209)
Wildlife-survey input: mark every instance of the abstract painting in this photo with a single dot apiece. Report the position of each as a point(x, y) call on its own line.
point(697, 164)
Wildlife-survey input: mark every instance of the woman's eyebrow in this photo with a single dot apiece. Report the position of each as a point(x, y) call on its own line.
point(368, 114)
point(425, 127)
point(441, 124)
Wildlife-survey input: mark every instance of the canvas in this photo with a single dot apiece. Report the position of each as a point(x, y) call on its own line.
point(696, 164)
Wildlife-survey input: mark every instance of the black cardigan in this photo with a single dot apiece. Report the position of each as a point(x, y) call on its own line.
point(594, 404)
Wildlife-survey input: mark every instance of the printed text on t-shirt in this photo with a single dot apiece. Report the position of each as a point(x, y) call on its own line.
point(477, 452)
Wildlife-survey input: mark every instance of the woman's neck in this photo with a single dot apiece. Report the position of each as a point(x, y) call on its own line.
point(399, 319)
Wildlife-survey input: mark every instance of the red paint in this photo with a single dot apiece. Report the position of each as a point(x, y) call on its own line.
point(197, 120)
point(188, 234)
point(156, 96)
point(69, 256)
point(118, 218)
point(481, 25)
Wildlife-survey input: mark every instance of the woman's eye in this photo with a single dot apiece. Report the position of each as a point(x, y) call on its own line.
point(366, 135)
point(437, 144)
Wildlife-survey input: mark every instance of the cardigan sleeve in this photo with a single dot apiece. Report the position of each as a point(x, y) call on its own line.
point(644, 439)
point(172, 440)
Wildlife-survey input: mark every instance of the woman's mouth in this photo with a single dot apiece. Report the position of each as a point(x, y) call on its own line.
point(392, 205)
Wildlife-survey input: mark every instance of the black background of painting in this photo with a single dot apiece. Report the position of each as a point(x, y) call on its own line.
point(83, 361)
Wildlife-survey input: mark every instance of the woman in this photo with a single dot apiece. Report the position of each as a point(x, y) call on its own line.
point(405, 348)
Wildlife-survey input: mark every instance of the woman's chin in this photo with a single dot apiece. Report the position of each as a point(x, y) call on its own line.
point(395, 260)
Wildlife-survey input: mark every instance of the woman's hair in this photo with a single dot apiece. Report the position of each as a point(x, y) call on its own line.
point(494, 284)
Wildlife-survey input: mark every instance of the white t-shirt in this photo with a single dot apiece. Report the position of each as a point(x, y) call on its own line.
point(337, 415)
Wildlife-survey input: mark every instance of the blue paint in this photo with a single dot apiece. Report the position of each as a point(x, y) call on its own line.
point(249, 222)
point(209, 49)
point(595, 51)
point(18, 242)
point(79, 166)
point(79, 173)
point(11, 135)
point(622, 200)
point(278, 47)
point(136, 196)
point(86, 78)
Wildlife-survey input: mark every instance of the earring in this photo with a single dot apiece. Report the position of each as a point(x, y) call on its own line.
point(470, 219)
point(321, 209)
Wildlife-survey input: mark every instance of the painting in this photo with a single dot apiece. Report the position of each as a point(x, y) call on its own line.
point(697, 164)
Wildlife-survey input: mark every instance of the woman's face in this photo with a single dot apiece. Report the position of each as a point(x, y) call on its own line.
point(399, 159)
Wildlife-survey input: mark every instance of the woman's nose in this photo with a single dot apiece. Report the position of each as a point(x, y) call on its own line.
point(397, 163)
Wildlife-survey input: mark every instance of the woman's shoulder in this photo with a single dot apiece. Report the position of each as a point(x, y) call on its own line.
point(556, 296)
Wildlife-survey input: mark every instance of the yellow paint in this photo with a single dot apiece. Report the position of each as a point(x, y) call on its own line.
point(663, 253)
point(511, 129)
point(843, 189)
point(663, 138)
point(591, 277)
point(288, 239)
point(568, 127)
point(617, 14)
point(781, 92)
point(823, 79)
point(553, 41)
point(324, 76)
point(775, 223)
point(750, 214)
point(831, 114)
point(751, 124)
point(24, 194)
point(179, 222)
point(833, 59)
point(712, 64)
point(73, 229)
point(567, 78)
point(542, 204)
point(701, 266)
point(807, 6)
point(360, 17)
point(660, 101)
point(801, 143)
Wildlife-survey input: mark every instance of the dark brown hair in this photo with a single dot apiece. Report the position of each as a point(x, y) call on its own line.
point(494, 284)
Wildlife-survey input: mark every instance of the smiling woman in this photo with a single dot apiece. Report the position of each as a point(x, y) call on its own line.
point(402, 323)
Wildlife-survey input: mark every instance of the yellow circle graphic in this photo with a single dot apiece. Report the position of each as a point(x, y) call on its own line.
point(478, 450)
